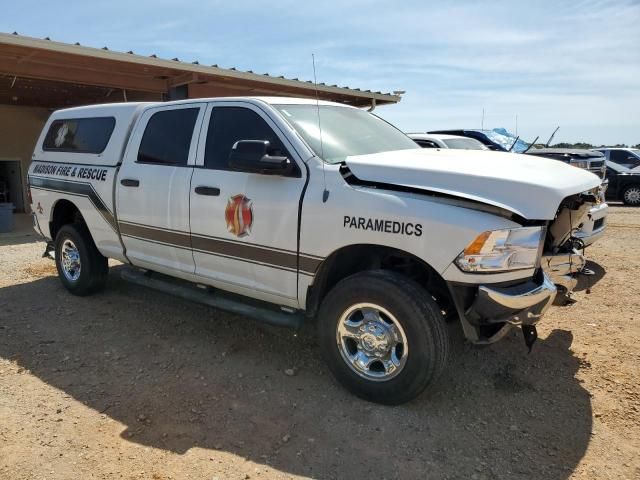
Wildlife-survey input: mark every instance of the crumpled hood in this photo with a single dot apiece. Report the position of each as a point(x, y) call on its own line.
point(529, 186)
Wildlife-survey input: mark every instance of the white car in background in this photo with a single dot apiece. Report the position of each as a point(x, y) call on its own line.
point(429, 140)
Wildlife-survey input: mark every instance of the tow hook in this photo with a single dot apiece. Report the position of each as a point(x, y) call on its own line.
point(587, 272)
point(530, 335)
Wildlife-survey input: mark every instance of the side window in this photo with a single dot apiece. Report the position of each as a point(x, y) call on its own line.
point(426, 144)
point(617, 156)
point(624, 158)
point(632, 160)
point(231, 124)
point(167, 137)
point(79, 135)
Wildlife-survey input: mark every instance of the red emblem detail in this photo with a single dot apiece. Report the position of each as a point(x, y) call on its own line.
point(239, 215)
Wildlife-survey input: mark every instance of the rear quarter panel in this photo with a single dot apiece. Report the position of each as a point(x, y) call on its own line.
point(89, 188)
point(85, 179)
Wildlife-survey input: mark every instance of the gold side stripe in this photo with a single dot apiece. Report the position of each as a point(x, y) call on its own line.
point(241, 251)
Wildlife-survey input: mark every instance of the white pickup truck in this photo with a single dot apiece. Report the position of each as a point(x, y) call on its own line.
point(288, 209)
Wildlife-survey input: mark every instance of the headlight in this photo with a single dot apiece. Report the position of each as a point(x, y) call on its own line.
point(503, 250)
point(580, 164)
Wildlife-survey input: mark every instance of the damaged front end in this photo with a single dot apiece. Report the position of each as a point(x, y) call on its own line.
point(488, 311)
point(563, 255)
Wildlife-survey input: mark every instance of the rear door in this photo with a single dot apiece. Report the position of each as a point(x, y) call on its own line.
point(244, 225)
point(153, 188)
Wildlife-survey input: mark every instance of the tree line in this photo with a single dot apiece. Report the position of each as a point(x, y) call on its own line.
point(588, 146)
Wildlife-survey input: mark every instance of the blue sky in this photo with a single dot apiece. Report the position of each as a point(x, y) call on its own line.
point(570, 63)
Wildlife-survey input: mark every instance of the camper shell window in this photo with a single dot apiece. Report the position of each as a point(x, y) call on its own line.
point(79, 135)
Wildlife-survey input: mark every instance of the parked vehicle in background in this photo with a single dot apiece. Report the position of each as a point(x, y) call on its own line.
point(375, 238)
point(586, 159)
point(595, 223)
point(625, 157)
point(498, 139)
point(426, 140)
point(624, 184)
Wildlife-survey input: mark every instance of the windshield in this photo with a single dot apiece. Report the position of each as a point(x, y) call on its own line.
point(345, 131)
point(464, 144)
point(505, 139)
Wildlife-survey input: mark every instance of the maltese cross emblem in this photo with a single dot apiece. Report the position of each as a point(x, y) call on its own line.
point(239, 215)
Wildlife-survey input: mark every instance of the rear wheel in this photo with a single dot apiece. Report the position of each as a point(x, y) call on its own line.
point(81, 267)
point(382, 336)
point(631, 195)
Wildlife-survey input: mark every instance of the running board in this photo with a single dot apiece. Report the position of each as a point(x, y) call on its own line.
point(211, 297)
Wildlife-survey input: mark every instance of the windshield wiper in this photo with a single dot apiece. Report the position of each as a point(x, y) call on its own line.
point(531, 144)
point(551, 137)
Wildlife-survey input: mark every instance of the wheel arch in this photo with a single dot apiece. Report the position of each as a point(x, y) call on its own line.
point(63, 212)
point(352, 259)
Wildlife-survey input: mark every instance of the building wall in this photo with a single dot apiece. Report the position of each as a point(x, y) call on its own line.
point(19, 131)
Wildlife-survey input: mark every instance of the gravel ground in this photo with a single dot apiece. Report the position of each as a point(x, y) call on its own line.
point(130, 383)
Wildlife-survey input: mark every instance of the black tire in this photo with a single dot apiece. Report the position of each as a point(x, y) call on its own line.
point(420, 318)
point(628, 198)
point(93, 266)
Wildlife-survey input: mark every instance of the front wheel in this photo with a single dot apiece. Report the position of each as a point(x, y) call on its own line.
point(383, 337)
point(81, 267)
point(631, 195)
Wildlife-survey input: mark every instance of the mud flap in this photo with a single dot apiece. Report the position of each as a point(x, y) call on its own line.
point(530, 335)
point(49, 251)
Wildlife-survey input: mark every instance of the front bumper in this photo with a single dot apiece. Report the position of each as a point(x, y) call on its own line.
point(594, 225)
point(522, 304)
point(488, 312)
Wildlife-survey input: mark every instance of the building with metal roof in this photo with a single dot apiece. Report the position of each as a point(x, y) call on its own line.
point(39, 75)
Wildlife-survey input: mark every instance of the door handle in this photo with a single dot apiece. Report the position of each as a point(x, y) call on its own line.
point(130, 182)
point(210, 191)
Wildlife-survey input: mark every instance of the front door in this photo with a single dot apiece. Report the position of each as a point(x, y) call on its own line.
point(244, 225)
point(153, 188)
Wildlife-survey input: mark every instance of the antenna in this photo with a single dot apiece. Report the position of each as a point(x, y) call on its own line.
point(325, 192)
point(482, 123)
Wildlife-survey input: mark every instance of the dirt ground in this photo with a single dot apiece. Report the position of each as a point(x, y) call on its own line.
point(131, 384)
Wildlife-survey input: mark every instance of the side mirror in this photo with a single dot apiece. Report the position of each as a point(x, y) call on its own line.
point(253, 156)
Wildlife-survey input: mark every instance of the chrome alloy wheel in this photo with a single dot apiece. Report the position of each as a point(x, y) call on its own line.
point(372, 342)
point(632, 196)
point(70, 260)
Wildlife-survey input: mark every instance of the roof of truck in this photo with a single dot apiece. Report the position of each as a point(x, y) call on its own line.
point(626, 149)
point(110, 107)
point(129, 107)
point(124, 114)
